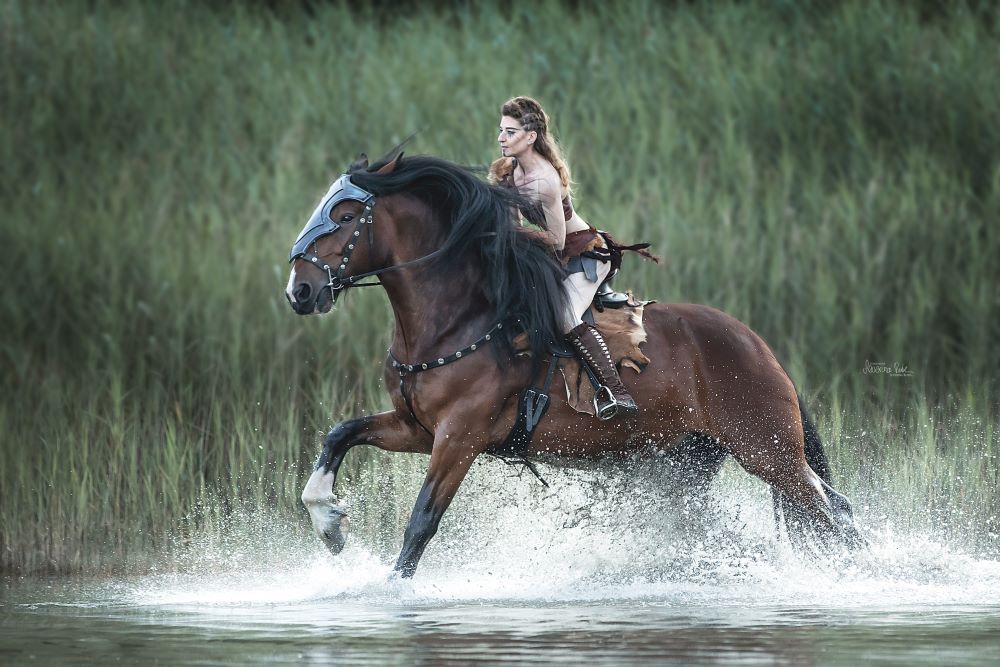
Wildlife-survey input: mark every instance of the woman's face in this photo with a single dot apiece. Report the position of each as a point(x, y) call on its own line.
point(513, 139)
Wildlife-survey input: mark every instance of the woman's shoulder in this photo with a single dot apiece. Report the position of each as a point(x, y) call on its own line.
point(549, 181)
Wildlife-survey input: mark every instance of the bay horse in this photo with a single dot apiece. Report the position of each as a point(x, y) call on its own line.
point(460, 272)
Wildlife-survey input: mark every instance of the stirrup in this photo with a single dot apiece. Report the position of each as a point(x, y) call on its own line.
point(607, 410)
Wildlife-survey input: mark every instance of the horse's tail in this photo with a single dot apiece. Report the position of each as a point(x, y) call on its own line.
point(815, 454)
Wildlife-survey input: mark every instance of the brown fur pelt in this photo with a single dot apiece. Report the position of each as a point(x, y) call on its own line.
point(502, 171)
point(624, 332)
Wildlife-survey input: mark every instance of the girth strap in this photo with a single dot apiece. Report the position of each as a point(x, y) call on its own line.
point(532, 406)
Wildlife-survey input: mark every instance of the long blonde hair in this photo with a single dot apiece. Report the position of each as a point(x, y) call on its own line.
point(532, 116)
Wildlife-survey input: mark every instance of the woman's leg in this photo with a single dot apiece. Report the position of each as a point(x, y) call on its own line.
point(589, 346)
point(581, 291)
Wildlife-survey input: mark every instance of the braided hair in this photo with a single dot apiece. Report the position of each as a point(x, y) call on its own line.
point(532, 116)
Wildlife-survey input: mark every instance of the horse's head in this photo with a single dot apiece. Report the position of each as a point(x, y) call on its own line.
point(322, 257)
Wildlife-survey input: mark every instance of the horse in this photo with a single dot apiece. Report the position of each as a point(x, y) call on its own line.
point(461, 273)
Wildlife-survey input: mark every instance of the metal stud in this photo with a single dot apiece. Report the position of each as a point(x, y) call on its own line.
point(350, 246)
point(357, 233)
point(472, 347)
point(487, 336)
point(440, 361)
point(424, 366)
point(458, 355)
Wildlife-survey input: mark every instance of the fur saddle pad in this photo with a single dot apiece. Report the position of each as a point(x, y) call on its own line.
point(624, 333)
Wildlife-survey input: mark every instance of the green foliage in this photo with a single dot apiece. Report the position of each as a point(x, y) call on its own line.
point(826, 172)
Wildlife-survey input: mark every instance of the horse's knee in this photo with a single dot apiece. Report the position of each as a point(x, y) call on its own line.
point(344, 431)
point(338, 441)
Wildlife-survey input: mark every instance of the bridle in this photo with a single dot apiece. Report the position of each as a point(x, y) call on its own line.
point(320, 224)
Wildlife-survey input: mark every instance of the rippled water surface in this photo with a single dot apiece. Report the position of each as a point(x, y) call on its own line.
point(194, 621)
point(576, 574)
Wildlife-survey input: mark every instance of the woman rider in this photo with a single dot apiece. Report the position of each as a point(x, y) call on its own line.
point(540, 172)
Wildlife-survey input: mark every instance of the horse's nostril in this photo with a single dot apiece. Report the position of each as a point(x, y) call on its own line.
point(302, 292)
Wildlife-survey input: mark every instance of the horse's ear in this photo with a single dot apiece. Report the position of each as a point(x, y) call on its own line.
point(391, 165)
point(359, 164)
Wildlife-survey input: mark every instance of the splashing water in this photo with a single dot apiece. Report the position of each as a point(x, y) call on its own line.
point(593, 536)
point(604, 566)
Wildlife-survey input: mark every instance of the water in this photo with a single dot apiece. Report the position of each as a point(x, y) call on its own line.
point(597, 570)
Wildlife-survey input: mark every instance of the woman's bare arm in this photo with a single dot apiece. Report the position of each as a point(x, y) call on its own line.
point(548, 192)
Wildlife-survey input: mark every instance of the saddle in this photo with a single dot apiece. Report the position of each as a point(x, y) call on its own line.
point(624, 332)
point(608, 298)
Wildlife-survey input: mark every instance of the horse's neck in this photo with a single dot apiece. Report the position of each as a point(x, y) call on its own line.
point(436, 315)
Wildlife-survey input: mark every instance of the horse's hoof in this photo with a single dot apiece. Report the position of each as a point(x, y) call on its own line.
point(332, 525)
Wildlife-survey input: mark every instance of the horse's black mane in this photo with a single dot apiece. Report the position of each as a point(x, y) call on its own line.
point(521, 277)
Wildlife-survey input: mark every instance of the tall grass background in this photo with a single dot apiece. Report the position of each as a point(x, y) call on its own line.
point(826, 172)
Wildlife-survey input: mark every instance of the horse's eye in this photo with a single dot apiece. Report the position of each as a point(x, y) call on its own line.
point(347, 218)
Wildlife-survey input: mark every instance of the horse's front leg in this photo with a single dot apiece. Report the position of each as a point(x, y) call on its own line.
point(386, 430)
point(451, 459)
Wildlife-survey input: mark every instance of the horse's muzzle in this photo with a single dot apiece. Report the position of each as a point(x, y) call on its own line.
point(306, 299)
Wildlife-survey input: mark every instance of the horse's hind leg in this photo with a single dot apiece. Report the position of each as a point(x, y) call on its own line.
point(844, 514)
point(695, 461)
point(779, 460)
point(797, 520)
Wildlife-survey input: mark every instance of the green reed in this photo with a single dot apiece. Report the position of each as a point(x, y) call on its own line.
point(826, 173)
